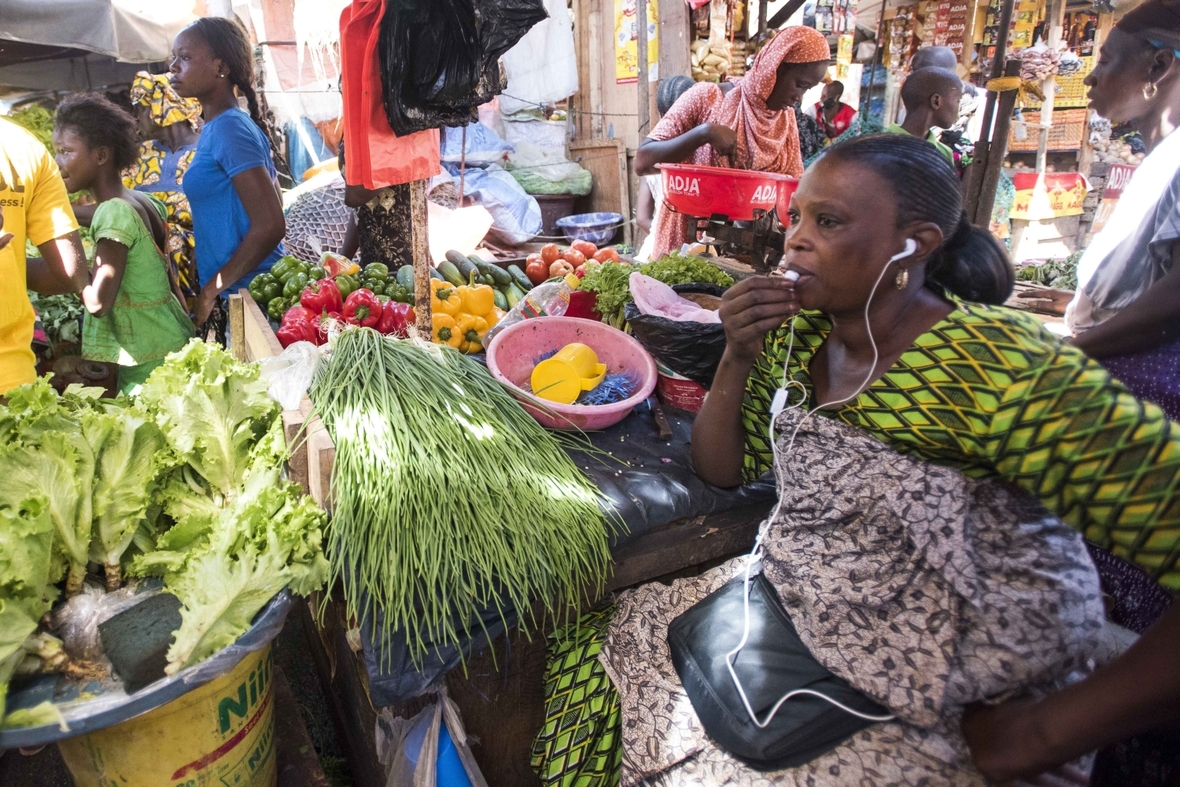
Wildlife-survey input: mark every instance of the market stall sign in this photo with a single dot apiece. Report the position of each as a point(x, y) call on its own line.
point(627, 43)
point(1048, 196)
point(1116, 180)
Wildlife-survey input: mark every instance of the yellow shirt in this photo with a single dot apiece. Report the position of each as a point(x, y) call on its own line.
point(36, 206)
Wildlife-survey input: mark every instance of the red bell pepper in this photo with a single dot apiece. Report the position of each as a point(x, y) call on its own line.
point(298, 330)
point(362, 308)
point(396, 319)
point(299, 313)
point(322, 296)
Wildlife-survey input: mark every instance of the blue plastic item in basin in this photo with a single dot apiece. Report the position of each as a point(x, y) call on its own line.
point(598, 228)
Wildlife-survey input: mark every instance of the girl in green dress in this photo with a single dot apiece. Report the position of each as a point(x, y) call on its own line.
point(134, 316)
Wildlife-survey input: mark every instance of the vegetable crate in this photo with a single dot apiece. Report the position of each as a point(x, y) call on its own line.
point(1066, 133)
point(501, 693)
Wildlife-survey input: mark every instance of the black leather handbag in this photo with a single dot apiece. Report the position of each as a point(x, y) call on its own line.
point(773, 662)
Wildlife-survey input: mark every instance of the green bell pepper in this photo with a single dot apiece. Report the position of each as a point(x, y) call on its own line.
point(270, 291)
point(277, 308)
point(346, 284)
point(376, 270)
point(294, 285)
point(282, 269)
point(316, 273)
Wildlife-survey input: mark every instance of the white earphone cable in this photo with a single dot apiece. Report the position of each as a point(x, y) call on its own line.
point(778, 405)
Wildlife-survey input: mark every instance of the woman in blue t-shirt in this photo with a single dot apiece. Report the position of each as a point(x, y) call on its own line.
point(230, 184)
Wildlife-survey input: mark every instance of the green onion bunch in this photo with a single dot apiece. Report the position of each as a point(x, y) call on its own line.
point(448, 498)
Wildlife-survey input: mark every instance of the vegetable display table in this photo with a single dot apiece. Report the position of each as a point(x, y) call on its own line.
point(676, 524)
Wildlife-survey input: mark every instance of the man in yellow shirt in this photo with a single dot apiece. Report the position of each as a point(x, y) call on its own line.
point(33, 205)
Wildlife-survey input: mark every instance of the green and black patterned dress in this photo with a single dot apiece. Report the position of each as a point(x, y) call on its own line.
point(989, 392)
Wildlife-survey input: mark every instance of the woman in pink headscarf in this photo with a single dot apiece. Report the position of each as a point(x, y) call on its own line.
point(746, 123)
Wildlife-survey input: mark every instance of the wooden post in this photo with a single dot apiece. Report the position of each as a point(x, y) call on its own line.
point(998, 149)
point(420, 244)
point(762, 4)
point(644, 90)
point(969, 34)
point(673, 25)
point(1056, 17)
point(975, 176)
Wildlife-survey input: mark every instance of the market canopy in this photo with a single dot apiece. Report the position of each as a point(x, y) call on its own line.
point(131, 31)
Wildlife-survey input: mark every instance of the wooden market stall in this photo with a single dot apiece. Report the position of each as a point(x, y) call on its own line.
point(501, 692)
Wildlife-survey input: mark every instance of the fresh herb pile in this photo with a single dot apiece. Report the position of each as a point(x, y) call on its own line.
point(448, 497)
point(61, 316)
point(610, 281)
point(1061, 273)
point(183, 483)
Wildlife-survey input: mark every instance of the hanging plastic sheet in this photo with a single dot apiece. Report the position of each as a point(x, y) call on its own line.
point(377, 157)
point(440, 59)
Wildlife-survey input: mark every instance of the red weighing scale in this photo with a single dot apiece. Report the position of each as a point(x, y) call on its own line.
point(736, 210)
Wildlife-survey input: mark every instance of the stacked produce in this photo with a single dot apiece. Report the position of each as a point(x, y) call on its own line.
point(711, 61)
point(60, 316)
point(1116, 151)
point(1059, 273)
point(610, 281)
point(449, 498)
point(553, 261)
point(183, 484)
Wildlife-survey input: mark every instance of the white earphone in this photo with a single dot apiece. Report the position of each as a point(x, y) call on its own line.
point(777, 406)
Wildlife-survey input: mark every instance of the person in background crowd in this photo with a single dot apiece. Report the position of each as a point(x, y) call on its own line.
point(651, 187)
point(169, 127)
point(34, 205)
point(811, 137)
point(749, 124)
point(381, 230)
point(231, 182)
point(931, 97)
point(134, 313)
point(1126, 313)
point(930, 57)
point(834, 116)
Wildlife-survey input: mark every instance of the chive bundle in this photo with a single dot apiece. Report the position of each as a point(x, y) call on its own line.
point(448, 497)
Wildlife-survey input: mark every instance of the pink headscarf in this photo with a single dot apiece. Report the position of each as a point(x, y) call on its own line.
point(768, 140)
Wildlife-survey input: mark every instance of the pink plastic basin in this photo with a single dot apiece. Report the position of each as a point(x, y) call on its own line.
point(734, 193)
point(514, 352)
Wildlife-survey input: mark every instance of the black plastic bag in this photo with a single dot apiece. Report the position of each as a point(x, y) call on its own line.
point(440, 59)
point(691, 349)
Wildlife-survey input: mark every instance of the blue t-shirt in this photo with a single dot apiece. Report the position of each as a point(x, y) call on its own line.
point(230, 144)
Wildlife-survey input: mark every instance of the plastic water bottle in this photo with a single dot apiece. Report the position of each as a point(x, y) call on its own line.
point(550, 299)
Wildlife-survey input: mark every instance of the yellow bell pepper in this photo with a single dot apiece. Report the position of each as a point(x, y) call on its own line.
point(472, 330)
point(494, 316)
point(444, 299)
point(445, 330)
point(478, 299)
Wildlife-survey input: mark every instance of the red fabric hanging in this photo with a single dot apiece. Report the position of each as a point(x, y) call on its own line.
point(375, 157)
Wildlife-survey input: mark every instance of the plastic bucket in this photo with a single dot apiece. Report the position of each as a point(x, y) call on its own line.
point(733, 193)
point(221, 733)
point(680, 392)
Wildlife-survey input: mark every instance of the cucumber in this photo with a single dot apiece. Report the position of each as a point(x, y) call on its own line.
point(519, 279)
point(405, 276)
point(434, 274)
point(501, 300)
point(451, 273)
point(495, 272)
point(462, 264)
point(514, 295)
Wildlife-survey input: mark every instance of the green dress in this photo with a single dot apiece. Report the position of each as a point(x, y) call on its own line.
point(147, 322)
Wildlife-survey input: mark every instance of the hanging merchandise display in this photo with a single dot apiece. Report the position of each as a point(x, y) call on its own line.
point(440, 59)
point(377, 157)
point(627, 42)
point(542, 67)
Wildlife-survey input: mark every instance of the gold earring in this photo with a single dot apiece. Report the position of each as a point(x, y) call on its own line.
point(903, 279)
point(1150, 90)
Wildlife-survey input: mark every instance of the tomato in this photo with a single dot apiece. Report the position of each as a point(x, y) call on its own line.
point(537, 271)
point(560, 268)
point(606, 255)
point(587, 248)
point(573, 257)
point(549, 253)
